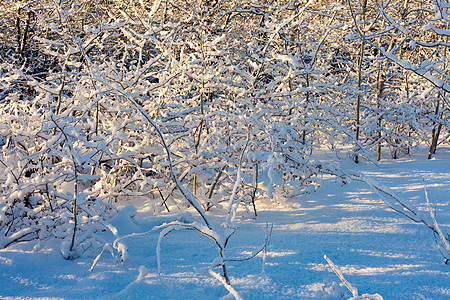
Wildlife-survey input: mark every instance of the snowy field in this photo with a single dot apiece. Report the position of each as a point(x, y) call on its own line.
point(377, 250)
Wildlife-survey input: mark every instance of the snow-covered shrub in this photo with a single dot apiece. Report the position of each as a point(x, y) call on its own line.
point(48, 184)
point(216, 77)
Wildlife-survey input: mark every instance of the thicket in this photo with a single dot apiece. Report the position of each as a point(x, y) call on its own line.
point(193, 103)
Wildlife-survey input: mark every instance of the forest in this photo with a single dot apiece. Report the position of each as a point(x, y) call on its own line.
point(175, 120)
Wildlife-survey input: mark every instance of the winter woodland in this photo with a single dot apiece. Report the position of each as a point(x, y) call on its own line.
point(207, 111)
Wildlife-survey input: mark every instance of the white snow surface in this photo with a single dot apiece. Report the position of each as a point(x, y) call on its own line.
point(377, 250)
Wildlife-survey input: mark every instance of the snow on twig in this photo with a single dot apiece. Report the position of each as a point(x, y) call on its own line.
point(225, 284)
point(5, 241)
point(106, 247)
point(439, 83)
point(187, 195)
point(408, 211)
point(352, 289)
point(232, 206)
point(436, 225)
point(286, 22)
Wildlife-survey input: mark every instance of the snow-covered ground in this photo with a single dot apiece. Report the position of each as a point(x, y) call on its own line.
point(377, 250)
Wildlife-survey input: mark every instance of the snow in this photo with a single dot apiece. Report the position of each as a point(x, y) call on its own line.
point(377, 250)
